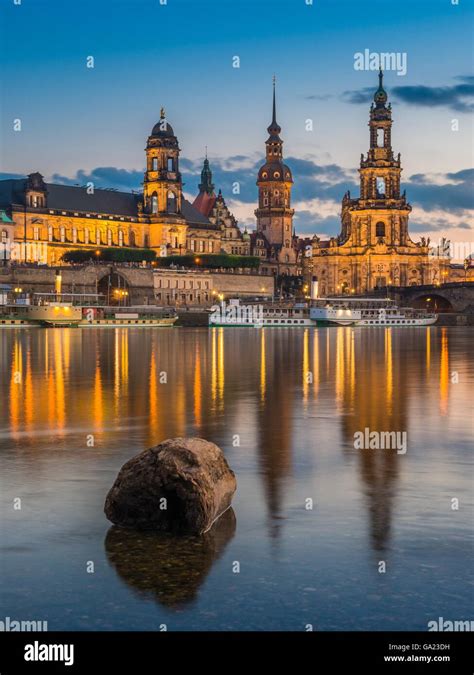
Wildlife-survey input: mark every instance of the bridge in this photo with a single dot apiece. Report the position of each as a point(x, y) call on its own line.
point(450, 297)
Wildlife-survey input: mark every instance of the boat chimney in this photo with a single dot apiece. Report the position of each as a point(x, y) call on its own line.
point(314, 288)
point(58, 280)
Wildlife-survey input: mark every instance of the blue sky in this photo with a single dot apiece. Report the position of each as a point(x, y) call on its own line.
point(95, 121)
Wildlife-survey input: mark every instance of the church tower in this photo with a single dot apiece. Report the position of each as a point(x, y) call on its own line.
point(274, 213)
point(162, 190)
point(380, 215)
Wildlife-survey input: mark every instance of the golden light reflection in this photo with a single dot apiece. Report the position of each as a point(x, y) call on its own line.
point(28, 397)
point(305, 365)
point(220, 366)
point(444, 373)
point(97, 398)
point(263, 366)
point(214, 364)
point(153, 394)
point(315, 362)
point(16, 386)
point(428, 348)
point(197, 388)
point(388, 370)
point(339, 366)
point(60, 412)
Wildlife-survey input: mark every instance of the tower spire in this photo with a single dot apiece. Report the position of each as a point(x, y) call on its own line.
point(274, 128)
point(274, 102)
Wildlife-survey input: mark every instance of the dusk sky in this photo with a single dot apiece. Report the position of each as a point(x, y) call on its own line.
point(80, 123)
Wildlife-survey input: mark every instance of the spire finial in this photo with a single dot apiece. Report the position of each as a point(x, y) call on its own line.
point(274, 102)
point(380, 77)
point(162, 113)
point(206, 150)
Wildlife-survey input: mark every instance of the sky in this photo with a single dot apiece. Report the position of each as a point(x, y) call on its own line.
point(80, 123)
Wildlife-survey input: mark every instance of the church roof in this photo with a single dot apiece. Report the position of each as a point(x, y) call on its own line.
point(204, 203)
point(101, 201)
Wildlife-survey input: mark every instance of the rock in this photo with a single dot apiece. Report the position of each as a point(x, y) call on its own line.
point(167, 568)
point(181, 485)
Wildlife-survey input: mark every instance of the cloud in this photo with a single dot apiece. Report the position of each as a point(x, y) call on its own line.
point(458, 97)
point(104, 177)
point(441, 201)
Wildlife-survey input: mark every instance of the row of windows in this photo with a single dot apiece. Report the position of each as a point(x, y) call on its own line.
point(183, 297)
point(97, 237)
point(199, 246)
point(182, 283)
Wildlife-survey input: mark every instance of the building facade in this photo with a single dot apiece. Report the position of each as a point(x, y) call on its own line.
point(231, 238)
point(374, 248)
point(48, 219)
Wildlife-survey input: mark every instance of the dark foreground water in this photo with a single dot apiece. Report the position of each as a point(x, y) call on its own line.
point(284, 405)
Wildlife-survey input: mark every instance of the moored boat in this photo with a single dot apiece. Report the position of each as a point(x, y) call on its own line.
point(370, 312)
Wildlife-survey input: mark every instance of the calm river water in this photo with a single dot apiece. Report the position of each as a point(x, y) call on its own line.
point(284, 404)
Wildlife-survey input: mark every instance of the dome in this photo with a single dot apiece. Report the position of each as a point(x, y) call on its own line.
point(380, 96)
point(162, 128)
point(275, 171)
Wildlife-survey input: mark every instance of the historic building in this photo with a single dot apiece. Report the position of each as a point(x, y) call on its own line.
point(47, 219)
point(374, 247)
point(274, 240)
point(232, 239)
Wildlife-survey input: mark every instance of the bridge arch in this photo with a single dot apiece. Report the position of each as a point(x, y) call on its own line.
point(432, 301)
point(115, 288)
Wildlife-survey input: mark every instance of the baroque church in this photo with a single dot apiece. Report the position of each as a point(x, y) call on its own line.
point(374, 248)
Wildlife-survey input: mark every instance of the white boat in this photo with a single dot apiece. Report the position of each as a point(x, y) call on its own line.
point(367, 312)
point(271, 315)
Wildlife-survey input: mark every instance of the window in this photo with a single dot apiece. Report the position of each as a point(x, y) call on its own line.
point(62, 234)
point(4, 236)
point(170, 164)
point(109, 237)
point(380, 138)
point(146, 241)
point(154, 203)
point(50, 233)
point(380, 186)
point(36, 233)
point(265, 201)
point(97, 236)
point(201, 246)
point(380, 229)
point(154, 164)
point(211, 247)
point(193, 245)
point(86, 235)
point(74, 235)
point(171, 202)
point(120, 237)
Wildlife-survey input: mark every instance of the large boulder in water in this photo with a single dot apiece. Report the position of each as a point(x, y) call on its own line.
point(181, 485)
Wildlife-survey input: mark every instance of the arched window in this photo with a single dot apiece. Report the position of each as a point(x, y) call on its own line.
point(380, 138)
point(109, 237)
point(131, 238)
point(154, 203)
point(154, 164)
point(380, 229)
point(171, 202)
point(97, 236)
point(120, 238)
point(380, 186)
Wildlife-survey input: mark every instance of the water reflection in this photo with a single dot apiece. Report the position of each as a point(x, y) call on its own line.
point(167, 568)
point(266, 385)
